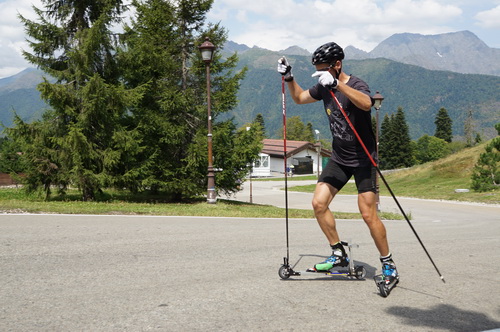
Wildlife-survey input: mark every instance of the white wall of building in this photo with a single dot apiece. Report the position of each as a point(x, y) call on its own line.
point(268, 165)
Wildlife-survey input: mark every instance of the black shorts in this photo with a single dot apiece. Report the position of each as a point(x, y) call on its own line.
point(337, 175)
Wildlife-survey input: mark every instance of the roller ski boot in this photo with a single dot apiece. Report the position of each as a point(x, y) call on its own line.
point(338, 258)
point(389, 278)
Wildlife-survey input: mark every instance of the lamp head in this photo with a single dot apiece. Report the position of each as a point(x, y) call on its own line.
point(207, 50)
point(377, 100)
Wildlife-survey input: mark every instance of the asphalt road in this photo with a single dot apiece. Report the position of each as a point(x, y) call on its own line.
point(119, 273)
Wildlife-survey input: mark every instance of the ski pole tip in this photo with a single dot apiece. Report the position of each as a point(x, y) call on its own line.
point(442, 279)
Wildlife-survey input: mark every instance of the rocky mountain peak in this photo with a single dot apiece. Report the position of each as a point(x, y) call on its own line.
point(461, 52)
point(295, 50)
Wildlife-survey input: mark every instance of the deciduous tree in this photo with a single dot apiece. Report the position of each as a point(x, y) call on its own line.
point(430, 148)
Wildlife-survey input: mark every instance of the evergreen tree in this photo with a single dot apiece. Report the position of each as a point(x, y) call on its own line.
point(404, 156)
point(259, 119)
point(386, 142)
point(395, 146)
point(443, 125)
point(486, 172)
point(83, 139)
point(10, 161)
point(160, 49)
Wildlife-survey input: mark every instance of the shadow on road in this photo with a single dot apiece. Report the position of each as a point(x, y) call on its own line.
point(445, 316)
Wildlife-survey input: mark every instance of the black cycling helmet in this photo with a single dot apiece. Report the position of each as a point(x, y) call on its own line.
point(327, 53)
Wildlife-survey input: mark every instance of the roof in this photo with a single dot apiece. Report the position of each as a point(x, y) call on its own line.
point(274, 147)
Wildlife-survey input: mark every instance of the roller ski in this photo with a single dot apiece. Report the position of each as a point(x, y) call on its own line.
point(339, 264)
point(388, 279)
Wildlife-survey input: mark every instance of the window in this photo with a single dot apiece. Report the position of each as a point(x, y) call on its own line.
point(263, 162)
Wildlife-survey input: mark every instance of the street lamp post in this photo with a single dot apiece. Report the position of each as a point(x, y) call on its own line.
point(251, 170)
point(319, 150)
point(377, 103)
point(207, 51)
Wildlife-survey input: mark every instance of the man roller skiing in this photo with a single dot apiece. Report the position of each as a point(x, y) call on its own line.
point(348, 157)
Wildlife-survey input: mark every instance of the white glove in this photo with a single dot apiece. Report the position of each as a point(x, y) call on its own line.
point(326, 79)
point(285, 69)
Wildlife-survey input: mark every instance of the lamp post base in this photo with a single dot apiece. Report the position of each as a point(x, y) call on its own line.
point(211, 194)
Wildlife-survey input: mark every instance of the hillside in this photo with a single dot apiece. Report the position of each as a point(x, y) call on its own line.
point(18, 94)
point(439, 179)
point(421, 93)
point(433, 180)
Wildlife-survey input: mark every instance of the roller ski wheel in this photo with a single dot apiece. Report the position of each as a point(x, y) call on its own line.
point(360, 272)
point(385, 284)
point(284, 272)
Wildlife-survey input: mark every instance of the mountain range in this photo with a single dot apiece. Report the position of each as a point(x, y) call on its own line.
point(461, 52)
point(419, 73)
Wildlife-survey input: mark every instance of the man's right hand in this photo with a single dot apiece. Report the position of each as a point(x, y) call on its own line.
point(285, 69)
point(326, 79)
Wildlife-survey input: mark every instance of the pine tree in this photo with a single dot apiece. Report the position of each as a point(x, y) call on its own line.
point(443, 125)
point(386, 142)
point(82, 140)
point(404, 156)
point(160, 50)
point(259, 119)
point(395, 146)
point(10, 160)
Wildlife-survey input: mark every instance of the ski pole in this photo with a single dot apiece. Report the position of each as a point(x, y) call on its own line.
point(285, 168)
point(385, 182)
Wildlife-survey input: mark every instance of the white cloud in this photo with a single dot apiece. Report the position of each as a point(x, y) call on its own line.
point(12, 36)
point(309, 23)
point(489, 18)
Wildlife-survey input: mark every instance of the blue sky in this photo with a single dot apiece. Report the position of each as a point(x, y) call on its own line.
point(276, 25)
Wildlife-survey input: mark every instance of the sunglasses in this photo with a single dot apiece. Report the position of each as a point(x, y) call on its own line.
point(325, 69)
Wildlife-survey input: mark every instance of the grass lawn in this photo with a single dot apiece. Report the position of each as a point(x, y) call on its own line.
point(118, 203)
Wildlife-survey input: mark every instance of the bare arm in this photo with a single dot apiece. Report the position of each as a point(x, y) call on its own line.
point(299, 95)
point(358, 98)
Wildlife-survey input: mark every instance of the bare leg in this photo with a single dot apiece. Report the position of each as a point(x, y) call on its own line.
point(323, 196)
point(368, 207)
